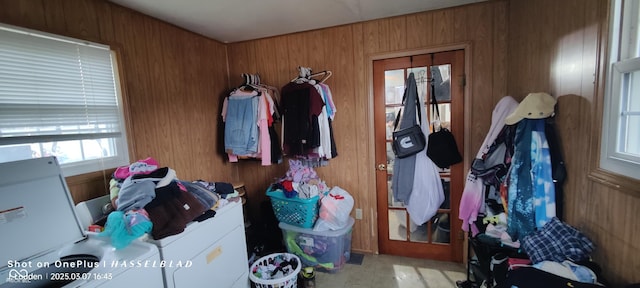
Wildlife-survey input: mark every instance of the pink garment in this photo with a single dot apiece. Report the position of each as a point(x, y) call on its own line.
point(470, 203)
point(473, 193)
point(144, 166)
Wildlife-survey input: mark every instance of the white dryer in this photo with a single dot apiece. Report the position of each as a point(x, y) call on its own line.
point(45, 245)
point(215, 249)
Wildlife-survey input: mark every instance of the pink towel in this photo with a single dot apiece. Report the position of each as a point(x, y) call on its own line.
point(144, 166)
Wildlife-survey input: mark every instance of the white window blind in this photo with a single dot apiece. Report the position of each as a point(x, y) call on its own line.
point(59, 90)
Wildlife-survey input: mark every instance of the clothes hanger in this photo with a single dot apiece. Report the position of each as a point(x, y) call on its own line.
point(305, 76)
point(251, 82)
point(326, 75)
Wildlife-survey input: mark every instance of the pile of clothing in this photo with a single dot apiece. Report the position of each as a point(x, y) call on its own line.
point(559, 255)
point(301, 181)
point(148, 198)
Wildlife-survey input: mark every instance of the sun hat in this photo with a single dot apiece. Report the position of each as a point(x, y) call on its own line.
point(534, 106)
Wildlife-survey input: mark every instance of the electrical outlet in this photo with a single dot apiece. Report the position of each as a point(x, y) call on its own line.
point(358, 213)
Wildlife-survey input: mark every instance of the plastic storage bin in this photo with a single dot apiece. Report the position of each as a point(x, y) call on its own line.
point(294, 211)
point(326, 251)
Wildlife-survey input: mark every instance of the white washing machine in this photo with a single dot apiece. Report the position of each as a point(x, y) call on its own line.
point(43, 243)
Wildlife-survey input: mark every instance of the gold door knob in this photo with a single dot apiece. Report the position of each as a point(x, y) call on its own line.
point(382, 167)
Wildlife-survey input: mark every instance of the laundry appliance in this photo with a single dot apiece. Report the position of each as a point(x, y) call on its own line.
point(44, 244)
point(215, 248)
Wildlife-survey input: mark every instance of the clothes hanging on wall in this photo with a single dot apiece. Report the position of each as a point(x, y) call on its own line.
point(510, 195)
point(308, 111)
point(513, 180)
point(249, 113)
point(471, 203)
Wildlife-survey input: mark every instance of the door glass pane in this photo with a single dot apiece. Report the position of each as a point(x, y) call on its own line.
point(420, 74)
point(390, 157)
point(392, 113)
point(441, 80)
point(440, 226)
point(398, 225)
point(391, 201)
point(419, 233)
point(393, 86)
point(445, 115)
point(422, 83)
point(446, 186)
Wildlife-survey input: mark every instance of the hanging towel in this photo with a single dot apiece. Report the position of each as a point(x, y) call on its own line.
point(544, 200)
point(521, 220)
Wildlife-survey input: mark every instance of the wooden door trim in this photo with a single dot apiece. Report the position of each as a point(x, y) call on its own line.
point(370, 58)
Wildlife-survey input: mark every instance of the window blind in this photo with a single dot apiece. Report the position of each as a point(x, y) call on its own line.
point(55, 89)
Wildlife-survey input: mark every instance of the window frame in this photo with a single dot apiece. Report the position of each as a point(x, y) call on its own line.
point(120, 143)
point(610, 159)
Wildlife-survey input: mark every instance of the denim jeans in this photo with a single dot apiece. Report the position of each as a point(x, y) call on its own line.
point(241, 126)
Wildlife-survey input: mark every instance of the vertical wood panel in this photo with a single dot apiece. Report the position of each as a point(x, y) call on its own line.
point(365, 192)
point(482, 64)
point(240, 57)
point(460, 19)
point(157, 98)
point(283, 63)
point(170, 93)
point(384, 35)
point(298, 50)
point(443, 26)
point(105, 23)
point(419, 32)
point(398, 33)
point(137, 81)
point(83, 22)
point(315, 43)
point(265, 52)
point(25, 13)
point(54, 15)
point(370, 31)
point(500, 52)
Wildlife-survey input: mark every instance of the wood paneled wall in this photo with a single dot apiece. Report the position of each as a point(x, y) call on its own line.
point(172, 81)
point(558, 47)
point(347, 51)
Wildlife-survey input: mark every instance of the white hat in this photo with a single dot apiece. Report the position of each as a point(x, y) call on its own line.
point(534, 106)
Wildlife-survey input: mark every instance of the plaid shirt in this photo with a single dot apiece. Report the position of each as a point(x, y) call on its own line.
point(557, 241)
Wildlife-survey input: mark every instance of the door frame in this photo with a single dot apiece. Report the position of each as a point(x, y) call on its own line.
point(466, 46)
